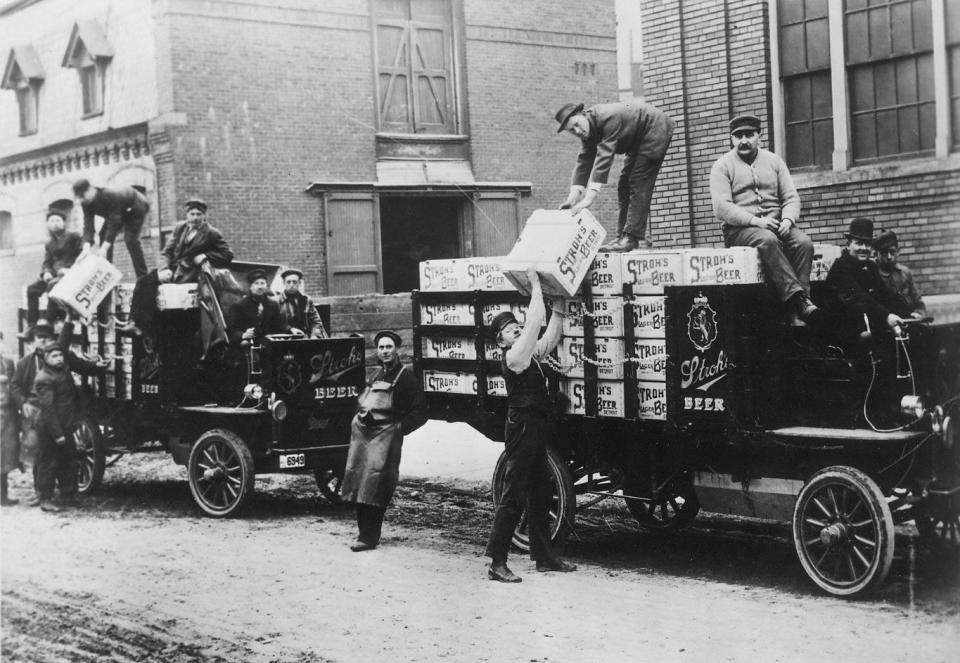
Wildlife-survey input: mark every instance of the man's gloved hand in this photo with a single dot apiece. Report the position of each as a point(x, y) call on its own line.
point(572, 197)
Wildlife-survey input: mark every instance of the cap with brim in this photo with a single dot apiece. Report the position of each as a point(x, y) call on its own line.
point(288, 272)
point(861, 228)
point(44, 328)
point(751, 122)
point(54, 346)
point(392, 335)
point(499, 322)
point(56, 212)
point(565, 113)
point(255, 274)
point(196, 203)
point(887, 240)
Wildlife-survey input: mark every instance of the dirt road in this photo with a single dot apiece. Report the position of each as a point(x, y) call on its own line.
point(137, 575)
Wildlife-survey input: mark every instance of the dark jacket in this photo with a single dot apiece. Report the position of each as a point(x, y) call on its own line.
point(59, 401)
point(620, 128)
point(116, 205)
point(855, 288)
point(298, 311)
point(61, 251)
point(243, 315)
point(22, 385)
point(179, 252)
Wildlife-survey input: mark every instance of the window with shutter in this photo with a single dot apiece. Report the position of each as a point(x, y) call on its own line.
point(414, 59)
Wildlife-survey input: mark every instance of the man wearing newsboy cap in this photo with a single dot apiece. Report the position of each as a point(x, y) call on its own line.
point(637, 130)
point(256, 315)
point(756, 202)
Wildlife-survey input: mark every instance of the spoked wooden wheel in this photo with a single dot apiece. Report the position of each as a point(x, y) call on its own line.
point(674, 507)
point(328, 481)
point(91, 457)
point(843, 531)
point(220, 471)
point(562, 501)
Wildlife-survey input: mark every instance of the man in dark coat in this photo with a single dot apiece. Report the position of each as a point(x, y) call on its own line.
point(123, 208)
point(390, 407)
point(636, 129)
point(297, 310)
point(529, 426)
point(856, 288)
point(23, 386)
point(60, 252)
point(898, 277)
point(256, 315)
point(192, 243)
point(9, 426)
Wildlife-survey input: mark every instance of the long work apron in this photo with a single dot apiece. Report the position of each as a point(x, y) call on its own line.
point(373, 462)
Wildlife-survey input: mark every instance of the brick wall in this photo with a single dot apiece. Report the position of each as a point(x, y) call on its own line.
point(705, 61)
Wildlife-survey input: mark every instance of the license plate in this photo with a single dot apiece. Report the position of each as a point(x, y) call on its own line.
point(292, 460)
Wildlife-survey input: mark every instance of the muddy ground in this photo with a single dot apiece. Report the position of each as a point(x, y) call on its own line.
point(136, 574)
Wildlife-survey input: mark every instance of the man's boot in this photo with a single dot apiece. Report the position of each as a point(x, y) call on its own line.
point(4, 500)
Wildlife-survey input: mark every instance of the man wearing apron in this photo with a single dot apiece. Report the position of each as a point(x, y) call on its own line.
point(392, 406)
point(528, 427)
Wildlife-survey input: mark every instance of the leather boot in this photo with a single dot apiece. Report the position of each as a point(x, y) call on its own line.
point(4, 499)
point(625, 243)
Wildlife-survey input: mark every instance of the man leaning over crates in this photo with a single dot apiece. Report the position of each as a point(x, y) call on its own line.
point(756, 201)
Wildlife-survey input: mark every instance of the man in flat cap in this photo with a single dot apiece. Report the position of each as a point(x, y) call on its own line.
point(391, 407)
point(256, 315)
point(296, 309)
point(857, 289)
point(898, 277)
point(123, 208)
point(60, 252)
point(192, 243)
point(639, 131)
point(756, 202)
point(528, 428)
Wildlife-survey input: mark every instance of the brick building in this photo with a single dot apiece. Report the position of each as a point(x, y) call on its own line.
point(860, 97)
point(352, 138)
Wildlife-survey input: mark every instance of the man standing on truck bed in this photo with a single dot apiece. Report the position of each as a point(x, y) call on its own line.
point(528, 427)
point(392, 406)
point(639, 131)
point(755, 200)
point(124, 209)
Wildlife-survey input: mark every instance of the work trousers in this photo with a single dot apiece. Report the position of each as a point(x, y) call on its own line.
point(526, 485)
point(132, 225)
point(635, 193)
point(369, 523)
point(34, 292)
point(786, 260)
point(56, 464)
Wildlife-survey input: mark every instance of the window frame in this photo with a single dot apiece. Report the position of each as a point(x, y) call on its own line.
point(27, 93)
point(452, 47)
point(91, 88)
point(843, 158)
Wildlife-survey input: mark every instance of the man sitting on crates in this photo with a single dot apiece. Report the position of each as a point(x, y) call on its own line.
point(60, 252)
point(192, 243)
point(756, 201)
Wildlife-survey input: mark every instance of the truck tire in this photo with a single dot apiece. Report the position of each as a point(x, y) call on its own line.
point(843, 531)
point(91, 456)
point(562, 506)
point(220, 472)
point(675, 507)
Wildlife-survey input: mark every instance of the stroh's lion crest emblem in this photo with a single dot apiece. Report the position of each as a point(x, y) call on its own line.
point(288, 374)
point(701, 323)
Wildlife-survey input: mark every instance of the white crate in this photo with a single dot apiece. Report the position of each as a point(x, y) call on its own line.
point(824, 256)
point(652, 398)
point(607, 317)
point(171, 296)
point(649, 318)
point(461, 383)
point(609, 353)
point(649, 272)
point(651, 358)
point(610, 399)
point(605, 276)
point(448, 347)
point(484, 274)
point(721, 266)
point(459, 313)
point(440, 275)
point(561, 247)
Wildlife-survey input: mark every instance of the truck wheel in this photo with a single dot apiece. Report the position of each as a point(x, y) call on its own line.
point(91, 456)
point(674, 508)
point(328, 481)
point(843, 531)
point(562, 503)
point(220, 472)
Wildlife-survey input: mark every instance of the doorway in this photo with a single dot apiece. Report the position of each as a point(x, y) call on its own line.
point(414, 229)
